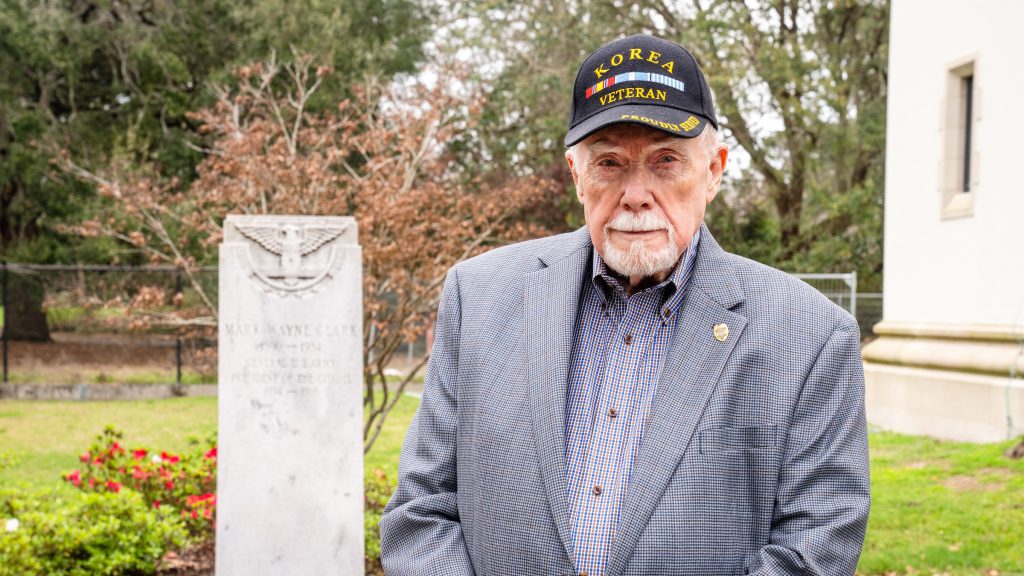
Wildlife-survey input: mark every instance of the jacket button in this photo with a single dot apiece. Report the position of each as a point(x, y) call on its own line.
point(628, 339)
point(597, 492)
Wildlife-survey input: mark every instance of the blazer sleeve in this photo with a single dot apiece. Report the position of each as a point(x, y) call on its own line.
point(420, 533)
point(821, 508)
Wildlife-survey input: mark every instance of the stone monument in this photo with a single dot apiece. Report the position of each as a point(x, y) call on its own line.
point(290, 413)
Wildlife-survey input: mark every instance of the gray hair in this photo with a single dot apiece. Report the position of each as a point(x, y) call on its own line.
point(710, 140)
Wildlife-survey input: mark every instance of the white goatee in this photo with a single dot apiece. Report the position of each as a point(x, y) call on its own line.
point(638, 260)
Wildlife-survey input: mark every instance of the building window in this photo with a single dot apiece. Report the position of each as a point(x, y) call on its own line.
point(968, 91)
point(959, 164)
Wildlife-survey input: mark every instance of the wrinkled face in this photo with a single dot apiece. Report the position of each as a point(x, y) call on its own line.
point(644, 193)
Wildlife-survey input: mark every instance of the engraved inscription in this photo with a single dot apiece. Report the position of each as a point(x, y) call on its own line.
point(292, 355)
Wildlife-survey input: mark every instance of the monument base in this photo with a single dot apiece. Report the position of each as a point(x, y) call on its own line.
point(949, 382)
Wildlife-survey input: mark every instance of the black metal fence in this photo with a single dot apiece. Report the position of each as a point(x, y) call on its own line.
point(75, 324)
point(93, 324)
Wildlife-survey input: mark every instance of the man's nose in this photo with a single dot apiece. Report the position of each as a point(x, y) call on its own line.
point(637, 194)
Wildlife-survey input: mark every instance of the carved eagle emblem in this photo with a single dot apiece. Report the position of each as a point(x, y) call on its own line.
point(291, 241)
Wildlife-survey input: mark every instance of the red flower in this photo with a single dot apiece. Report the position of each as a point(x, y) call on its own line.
point(115, 449)
point(139, 454)
point(92, 482)
point(85, 457)
point(169, 458)
point(139, 474)
point(169, 484)
point(113, 486)
point(156, 504)
point(75, 477)
point(211, 454)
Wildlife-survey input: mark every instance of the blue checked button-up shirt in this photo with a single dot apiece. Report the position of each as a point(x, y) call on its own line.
point(617, 357)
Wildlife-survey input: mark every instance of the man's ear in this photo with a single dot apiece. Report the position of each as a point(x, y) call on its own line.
point(717, 168)
point(574, 170)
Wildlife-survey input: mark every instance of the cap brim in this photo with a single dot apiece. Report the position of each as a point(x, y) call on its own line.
point(670, 120)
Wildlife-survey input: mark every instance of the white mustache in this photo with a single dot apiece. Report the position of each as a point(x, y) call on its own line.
point(637, 222)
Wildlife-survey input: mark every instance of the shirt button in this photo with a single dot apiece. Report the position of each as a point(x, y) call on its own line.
point(666, 312)
point(597, 490)
point(612, 412)
point(628, 339)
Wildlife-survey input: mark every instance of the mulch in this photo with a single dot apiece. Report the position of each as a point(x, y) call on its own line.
point(195, 561)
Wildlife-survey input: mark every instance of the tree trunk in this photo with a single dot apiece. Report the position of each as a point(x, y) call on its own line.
point(24, 318)
point(789, 204)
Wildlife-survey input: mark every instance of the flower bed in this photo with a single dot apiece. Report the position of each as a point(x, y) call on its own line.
point(185, 483)
point(134, 510)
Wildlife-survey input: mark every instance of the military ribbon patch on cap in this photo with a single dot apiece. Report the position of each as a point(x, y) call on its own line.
point(635, 77)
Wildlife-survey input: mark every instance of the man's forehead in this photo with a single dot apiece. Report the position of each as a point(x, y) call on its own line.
point(622, 134)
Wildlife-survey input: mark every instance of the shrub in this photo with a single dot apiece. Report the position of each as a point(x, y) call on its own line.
point(378, 492)
point(61, 533)
point(184, 483)
point(177, 486)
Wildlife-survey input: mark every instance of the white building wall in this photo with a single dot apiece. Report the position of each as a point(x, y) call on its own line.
point(967, 270)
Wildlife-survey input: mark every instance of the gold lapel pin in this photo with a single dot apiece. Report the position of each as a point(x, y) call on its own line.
point(721, 332)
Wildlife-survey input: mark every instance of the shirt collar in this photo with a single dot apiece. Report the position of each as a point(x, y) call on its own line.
point(674, 286)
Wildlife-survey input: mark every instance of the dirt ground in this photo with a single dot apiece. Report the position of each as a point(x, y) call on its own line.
point(93, 350)
point(96, 358)
point(196, 561)
point(72, 358)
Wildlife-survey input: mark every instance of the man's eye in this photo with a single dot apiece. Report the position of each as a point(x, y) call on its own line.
point(666, 159)
point(607, 162)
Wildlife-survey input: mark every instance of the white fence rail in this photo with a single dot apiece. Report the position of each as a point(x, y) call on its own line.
point(839, 288)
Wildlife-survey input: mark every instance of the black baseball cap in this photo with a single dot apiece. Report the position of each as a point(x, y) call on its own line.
point(640, 80)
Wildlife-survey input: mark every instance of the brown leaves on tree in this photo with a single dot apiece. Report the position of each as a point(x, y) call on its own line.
point(384, 156)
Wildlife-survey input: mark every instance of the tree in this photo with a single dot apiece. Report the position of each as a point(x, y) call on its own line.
point(820, 69)
point(95, 78)
point(799, 88)
point(100, 79)
point(356, 38)
point(381, 156)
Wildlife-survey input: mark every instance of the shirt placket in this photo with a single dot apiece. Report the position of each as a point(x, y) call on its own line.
point(604, 461)
point(637, 396)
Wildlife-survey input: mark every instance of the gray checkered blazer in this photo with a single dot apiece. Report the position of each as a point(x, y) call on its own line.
point(754, 459)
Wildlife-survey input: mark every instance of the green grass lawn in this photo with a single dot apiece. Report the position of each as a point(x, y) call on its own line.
point(388, 446)
point(944, 507)
point(938, 507)
point(46, 438)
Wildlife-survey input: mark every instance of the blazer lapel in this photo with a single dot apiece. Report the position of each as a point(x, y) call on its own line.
point(693, 364)
point(552, 298)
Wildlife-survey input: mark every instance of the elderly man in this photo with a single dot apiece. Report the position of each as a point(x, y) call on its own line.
point(628, 398)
